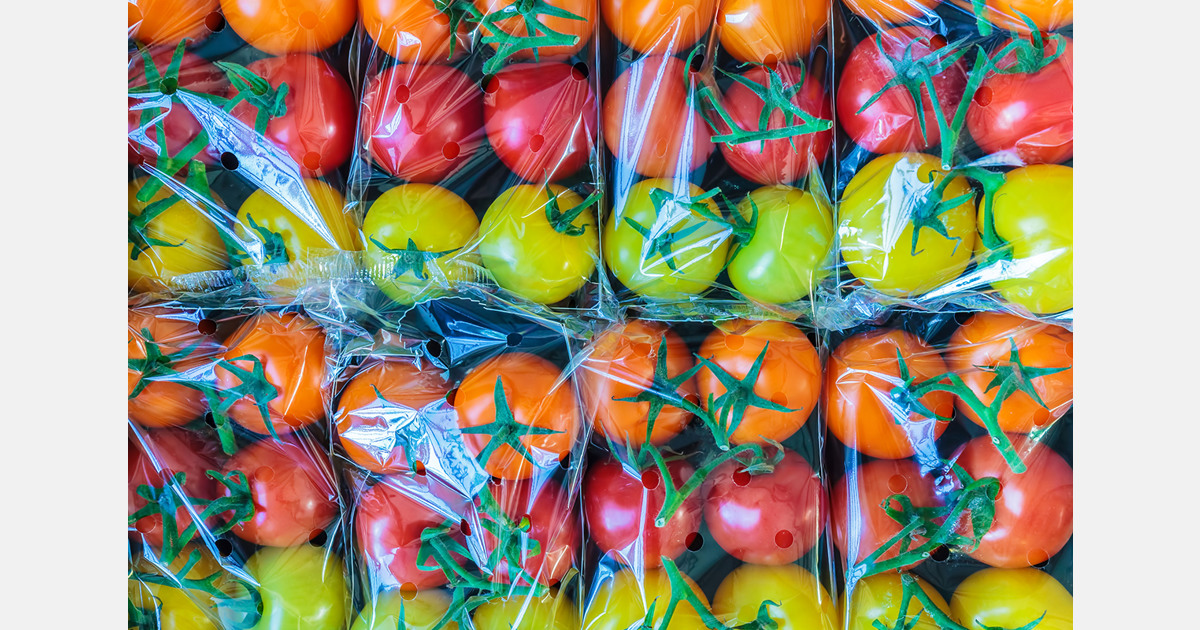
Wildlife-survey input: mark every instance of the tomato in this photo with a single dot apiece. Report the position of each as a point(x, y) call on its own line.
point(539, 400)
point(1033, 512)
point(621, 363)
point(987, 340)
point(532, 249)
point(317, 129)
point(378, 407)
point(553, 526)
point(624, 601)
point(1047, 15)
point(178, 608)
point(552, 611)
point(859, 378)
point(179, 126)
point(621, 506)
point(891, 124)
point(881, 12)
point(424, 122)
point(800, 601)
point(658, 26)
point(789, 376)
point(549, 17)
point(413, 31)
point(426, 229)
point(301, 587)
point(163, 342)
point(649, 122)
point(879, 597)
point(541, 118)
point(683, 260)
point(176, 451)
point(278, 27)
point(295, 496)
point(1032, 213)
point(789, 252)
point(770, 519)
point(388, 526)
point(859, 529)
point(1012, 598)
point(771, 31)
point(877, 225)
point(280, 352)
point(182, 239)
point(154, 22)
point(415, 610)
point(782, 160)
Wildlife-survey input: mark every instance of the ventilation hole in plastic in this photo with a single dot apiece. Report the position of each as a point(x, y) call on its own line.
point(783, 539)
point(139, 159)
point(941, 554)
point(897, 484)
point(525, 518)
point(214, 22)
point(999, 491)
point(580, 71)
point(937, 42)
point(146, 525)
point(1041, 417)
point(433, 348)
point(664, 8)
point(312, 160)
point(450, 396)
point(206, 326)
point(309, 20)
point(741, 477)
point(258, 606)
point(401, 93)
point(168, 85)
point(224, 547)
point(408, 591)
point(210, 420)
point(450, 150)
point(961, 318)
point(721, 19)
point(319, 538)
point(441, 19)
point(696, 64)
point(565, 463)
point(734, 342)
point(419, 467)
point(650, 479)
point(513, 340)
point(780, 398)
point(660, 148)
point(1037, 558)
point(771, 60)
point(490, 85)
point(983, 96)
point(695, 541)
point(264, 473)
point(536, 142)
point(229, 161)
point(464, 527)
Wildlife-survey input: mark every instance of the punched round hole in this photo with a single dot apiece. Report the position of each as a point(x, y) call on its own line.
point(660, 148)
point(408, 591)
point(490, 85)
point(450, 150)
point(897, 484)
point(580, 71)
point(937, 42)
point(229, 161)
point(210, 420)
point(962, 317)
point(419, 467)
point(771, 60)
point(319, 538)
point(224, 547)
point(441, 19)
point(536, 142)
point(401, 93)
point(206, 326)
point(650, 479)
point(168, 85)
point(941, 554)
point(1071, 349)
point(146, 525)
point(450, 396)
point(780, 398)
point(783, 539)
point(258, 606)
point(214, 22)
point(565, 462)
point(664, 8)
point(309, 20)
point(139, 159)
point(741, 477)
point(513, 340)
point(720, 19)
point(264, 473)
point(696, 63)
point(1037, 558)
point(1041, 417)
point(734, 342)
point(695, 541)
point(642, 349)
point(312, 160)
point(983, 96)
point(464, 527)
point(999, 491)
point(433, 348)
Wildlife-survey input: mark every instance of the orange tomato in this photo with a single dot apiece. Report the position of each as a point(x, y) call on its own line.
point(538, 397)
point(663, 27)
point(790, 376)
point(581, 29)
point(1047, 15)
point(413, 31)
point(279, 27)
point(771, 31)
point(880, 12)
point(166, 22)
point(162, 403)
point(858, 385)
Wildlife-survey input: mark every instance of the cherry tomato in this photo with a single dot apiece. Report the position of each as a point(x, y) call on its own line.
point(621, 363)
point(279, 27)
point(771, 31)
point(414, 31)
point(179, 126)
point(877, 225)
point(658, 26)
point(549, 17)
point(553, 525)
point(1033, 512)
point(168, 21)
point(860, 529)
point(175, 450)
point(1047, 15)
point(317, 129)
point(880, 12)
point(771, 519)
point(540, 118)
point(988, 340)
point(621, 506)
point(413, 610)
point(650, 124)
point(685, 257)
point(1012, 598)
point(800, 602)
point(782, 160)
point(537, 396)
point(377, 406)
point(624, 601)
point(859, 379)
point(789, 252)
point(163, 343)
point(424, 122)
point(182, 239)
point(283, 353)
point(788, 376)
point(178, 608)
point(301, 587)
point(891, 124)
point(388, 526)
point(552, 611)
point(532, 249)
point(879, 597)
point(295, 496)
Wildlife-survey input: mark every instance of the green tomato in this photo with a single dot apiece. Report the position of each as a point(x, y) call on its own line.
point(301, 587)
point(788, 253)
point(419, 610)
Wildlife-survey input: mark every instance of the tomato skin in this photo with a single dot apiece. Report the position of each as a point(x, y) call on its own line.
point(620, 508)
point(1047, 15)
point(387, 527)
point(301, 587)
point(658, 26)
point(890, 124)
point(789, 252)
point(177, 450)
point(771, 31)
point(859, 378)
point(1034, 510)
point(987, 339)
point(665, 131)
point(165, 22)
point(195, 245)
point(1012, 598)
point(179, 125)
point(163, 403)
point(553, 524)
point(790, 375)
point(876, 481)
point(360, 416)
point(623, 601)
point(621, 364)
point(415, 610)
point(878, 598)
point(537, 395)
point(317, 130)
point(295, 496)
point(771, 519)
point(278, 27)
point(178, 608)
point(524, 251)
point(552, 611)
point(540, 119)
point(881, 12)
point(413, 31)
point(424, 121)
point(581, 29)
point(801, 601)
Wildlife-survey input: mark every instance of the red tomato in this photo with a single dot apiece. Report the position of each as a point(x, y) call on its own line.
point(861, 528)
point(179, 125)
point(1034, 510)
point(176, 451)
point(654, 99)
point(424, 122)
point(659, 26)
point(776, 161)
point(540, 119)
point(553, 524)
point(168, 21)
point(279, 27)
point(620, 507)
point(163, 342)
point(388, 526)
point(890, 124)
point(413, 31)
point(771, 31)
point(317, 130)
point(1030, 116)
point(517, 26)
point(766, 519)
point(295, 496)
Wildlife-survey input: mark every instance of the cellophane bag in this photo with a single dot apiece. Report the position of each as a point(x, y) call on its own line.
point(704, 497)
point(718, 122)
point(954, 151)
point(950, 457)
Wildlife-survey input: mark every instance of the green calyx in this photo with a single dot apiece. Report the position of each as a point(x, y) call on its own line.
point(912, 74)
point(752, 457)
point(269, 102)
point(663, 244)
point(911, 589)
point(563, 221)
point(244, 610)
point(532, 14)
point(728, 409)
point(274, 251)
point(681, 591)
point(411, 259)
point(776, 97)
point(253, 385)
point(165, 501)
point(663, 391)
point(504, 430)
point(156, 364)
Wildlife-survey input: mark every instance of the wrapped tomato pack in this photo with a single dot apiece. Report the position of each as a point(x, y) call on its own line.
point(950, 449)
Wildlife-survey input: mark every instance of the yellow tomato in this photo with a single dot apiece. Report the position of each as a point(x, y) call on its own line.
point(1012, 598)
point(879, 597)
point(301, 587)
point(623, 601)
point(788, 254)
point(180, 240)
point(178, 609)
point(549, 612)
point(800, 602)
point(412, 610)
